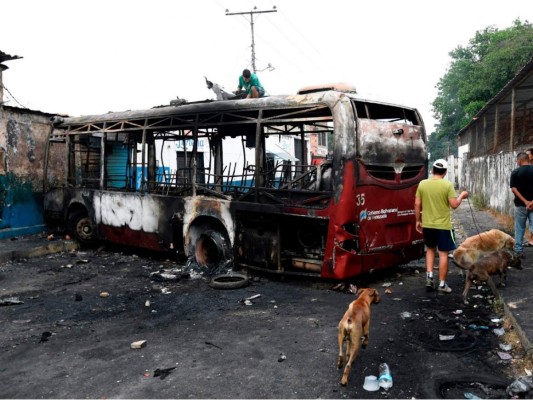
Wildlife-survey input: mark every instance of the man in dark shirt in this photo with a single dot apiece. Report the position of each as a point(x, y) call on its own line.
point(521, 183)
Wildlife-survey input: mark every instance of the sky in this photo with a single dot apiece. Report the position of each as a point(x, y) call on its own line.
point(91, 57)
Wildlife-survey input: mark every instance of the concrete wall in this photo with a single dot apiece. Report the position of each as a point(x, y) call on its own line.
point(23, 136)
point(488, 177)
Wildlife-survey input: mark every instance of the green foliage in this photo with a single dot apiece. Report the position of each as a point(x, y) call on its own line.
point(478, 72)
point(440, 148)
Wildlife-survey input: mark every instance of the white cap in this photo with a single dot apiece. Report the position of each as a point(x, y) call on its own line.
point(440, 163)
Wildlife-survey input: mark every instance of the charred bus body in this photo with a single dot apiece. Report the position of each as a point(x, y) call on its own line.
point(240, 180)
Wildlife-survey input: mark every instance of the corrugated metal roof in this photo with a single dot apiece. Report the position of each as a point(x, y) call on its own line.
point(523, 86)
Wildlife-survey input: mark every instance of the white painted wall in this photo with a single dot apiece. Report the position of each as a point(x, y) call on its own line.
point(488, 176)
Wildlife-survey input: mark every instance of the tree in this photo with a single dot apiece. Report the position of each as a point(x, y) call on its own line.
point(477, 73)
point(440, 147)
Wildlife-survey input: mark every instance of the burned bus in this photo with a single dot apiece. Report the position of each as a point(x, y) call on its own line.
point(318, 183)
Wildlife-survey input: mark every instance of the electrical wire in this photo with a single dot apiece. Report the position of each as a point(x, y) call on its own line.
point(13, 97)
point(309, 43)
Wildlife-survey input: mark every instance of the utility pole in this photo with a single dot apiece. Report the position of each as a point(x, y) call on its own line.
point(252, 27)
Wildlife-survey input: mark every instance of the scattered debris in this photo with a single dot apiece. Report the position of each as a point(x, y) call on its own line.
point(504, 356)
point(139, 344)
point(386, 284)
point(248, 301)
point(475, 327)
point(45, 336)
point(406, 314)
point(214, 345)
point(388, 291)
point(104, 294)
point(499, 331)
point(347, 288)
point(10, 301)
point(164, 277)
point(522, 384)
point(505, 347)
point(50, 237)
point(446, 335)
point(147, 303)
point(163, 373)
point(282, 357)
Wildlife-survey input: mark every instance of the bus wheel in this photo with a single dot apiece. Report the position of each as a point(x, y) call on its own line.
point(212, 248)
point(229, 281)
point(81, 226)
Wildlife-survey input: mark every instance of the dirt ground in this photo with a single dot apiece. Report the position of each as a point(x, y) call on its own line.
point(66, 341)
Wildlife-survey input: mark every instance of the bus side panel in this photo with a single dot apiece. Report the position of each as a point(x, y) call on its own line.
point(135, 220)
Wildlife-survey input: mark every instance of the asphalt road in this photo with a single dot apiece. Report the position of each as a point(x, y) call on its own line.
point(66, 341)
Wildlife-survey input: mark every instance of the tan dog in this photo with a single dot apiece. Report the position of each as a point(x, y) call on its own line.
point(354, 325)
point(478, 245)
point(491, 264)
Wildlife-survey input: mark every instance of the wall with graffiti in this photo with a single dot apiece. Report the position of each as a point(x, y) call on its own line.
point(23, 136)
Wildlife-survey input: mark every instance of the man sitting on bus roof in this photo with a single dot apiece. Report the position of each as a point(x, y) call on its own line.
point(250, 83)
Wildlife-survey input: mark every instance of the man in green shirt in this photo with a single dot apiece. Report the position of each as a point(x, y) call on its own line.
point(250, 83)
point(433, 200)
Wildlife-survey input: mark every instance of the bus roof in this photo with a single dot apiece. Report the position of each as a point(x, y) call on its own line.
point(320, 94)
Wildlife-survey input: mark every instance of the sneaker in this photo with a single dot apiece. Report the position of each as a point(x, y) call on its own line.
point(445, 289)
point(430, 285)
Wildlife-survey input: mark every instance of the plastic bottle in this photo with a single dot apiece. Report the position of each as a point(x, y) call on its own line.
point(385, 377)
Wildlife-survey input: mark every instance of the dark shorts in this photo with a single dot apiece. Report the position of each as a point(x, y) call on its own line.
point(443, 239)
point(260, 90)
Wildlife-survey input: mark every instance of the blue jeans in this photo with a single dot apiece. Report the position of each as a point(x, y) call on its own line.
point(521, 215)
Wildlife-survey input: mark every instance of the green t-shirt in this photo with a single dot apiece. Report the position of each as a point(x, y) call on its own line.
point(434, 194)
point(254, 81)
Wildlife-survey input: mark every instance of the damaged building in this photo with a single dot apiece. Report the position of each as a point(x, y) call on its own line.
point(23, 135)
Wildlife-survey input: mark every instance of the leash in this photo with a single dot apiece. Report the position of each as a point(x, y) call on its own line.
point(476, 223)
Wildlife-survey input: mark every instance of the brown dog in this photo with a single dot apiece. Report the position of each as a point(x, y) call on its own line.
point(478, 245)
point(354, 325)
point(491, 264)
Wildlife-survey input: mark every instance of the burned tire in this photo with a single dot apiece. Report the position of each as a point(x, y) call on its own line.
point(453, 386)
point(212, 248)
point(81, 227)
point(229, 281)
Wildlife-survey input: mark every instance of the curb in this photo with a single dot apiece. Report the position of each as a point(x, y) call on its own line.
point(51, 248)
point(522, 336)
